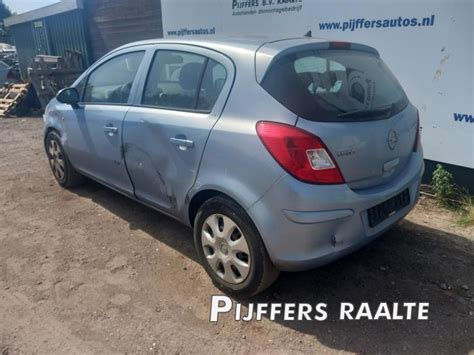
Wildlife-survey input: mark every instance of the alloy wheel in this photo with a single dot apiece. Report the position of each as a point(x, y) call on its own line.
point(56, 160)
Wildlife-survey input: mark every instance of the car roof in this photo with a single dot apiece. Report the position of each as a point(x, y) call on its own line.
point(224, 44)
point(260, 50)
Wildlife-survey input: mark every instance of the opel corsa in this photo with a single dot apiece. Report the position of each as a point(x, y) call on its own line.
point(281, 155)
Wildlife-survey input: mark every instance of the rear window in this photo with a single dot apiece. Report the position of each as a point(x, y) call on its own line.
point(335, 85)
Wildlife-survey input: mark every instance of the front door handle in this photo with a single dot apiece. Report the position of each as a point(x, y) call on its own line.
point(111, 130)
point(182, 143)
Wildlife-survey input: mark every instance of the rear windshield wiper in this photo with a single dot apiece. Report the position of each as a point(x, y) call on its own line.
point(368, 112)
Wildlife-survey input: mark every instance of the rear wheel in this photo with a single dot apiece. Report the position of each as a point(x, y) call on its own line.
point(63, 171)
point(231, 249)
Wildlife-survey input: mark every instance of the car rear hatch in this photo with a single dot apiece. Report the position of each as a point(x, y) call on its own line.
point(345, 95)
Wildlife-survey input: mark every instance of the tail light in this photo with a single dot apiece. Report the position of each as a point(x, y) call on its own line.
point(300, 153)
point(417, 145)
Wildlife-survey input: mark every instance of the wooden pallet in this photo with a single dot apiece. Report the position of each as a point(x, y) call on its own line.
point(11, 96)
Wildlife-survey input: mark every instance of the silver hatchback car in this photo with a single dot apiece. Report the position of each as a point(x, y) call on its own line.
point(281, 154)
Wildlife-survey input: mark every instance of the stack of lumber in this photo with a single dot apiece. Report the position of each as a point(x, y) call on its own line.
point(11, 97)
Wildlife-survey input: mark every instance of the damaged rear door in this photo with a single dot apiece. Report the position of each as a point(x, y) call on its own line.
point(165, 132)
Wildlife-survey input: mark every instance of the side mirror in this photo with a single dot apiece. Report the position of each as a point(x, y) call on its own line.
point(69, 96)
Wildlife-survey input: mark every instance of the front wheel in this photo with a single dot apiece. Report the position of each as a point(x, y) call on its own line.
point(63, 171)
point(231, 249)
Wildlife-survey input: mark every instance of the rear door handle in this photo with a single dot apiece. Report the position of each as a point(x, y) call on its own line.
point(111, 130)
point(182, 143)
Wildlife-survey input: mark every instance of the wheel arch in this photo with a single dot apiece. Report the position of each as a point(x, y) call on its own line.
point(198, 199)
point(48, 130)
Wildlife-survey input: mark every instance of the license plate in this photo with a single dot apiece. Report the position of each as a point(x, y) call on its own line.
point(386, 209)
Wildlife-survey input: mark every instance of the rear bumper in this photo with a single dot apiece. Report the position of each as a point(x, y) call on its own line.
point(305, 226)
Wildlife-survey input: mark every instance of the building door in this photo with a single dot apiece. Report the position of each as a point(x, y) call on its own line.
point(40, 36)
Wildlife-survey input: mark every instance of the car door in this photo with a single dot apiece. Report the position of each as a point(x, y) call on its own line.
point(166, 130)
point(94, 129)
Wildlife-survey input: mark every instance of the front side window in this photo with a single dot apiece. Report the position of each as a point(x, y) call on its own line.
point(335, 85)
point(182, 80)
point(112, 81)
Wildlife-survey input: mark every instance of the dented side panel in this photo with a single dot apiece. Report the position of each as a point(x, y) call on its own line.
point(161, 171)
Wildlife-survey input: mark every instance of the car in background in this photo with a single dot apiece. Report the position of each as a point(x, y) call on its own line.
point(10, 59)
point(281, 154)
point(8, 73)
point(6, 48)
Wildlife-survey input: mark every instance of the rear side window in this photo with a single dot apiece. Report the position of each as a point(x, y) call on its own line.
point(183, 80)
point(112, 81)
point(335, 85)
point(212, 82)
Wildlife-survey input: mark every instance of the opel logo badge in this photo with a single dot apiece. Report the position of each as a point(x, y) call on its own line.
point(392, 139)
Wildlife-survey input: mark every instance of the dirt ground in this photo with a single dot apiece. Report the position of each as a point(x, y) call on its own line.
point(89, 271)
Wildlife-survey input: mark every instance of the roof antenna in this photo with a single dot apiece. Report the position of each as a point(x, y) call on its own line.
point(308, 34)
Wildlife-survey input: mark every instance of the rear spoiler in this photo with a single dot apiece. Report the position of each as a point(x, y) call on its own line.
point(268, 53)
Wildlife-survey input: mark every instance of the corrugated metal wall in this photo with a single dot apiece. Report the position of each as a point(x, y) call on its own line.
point(112, 23)
point(66, 32)
point(100, 27)
point(53, 35)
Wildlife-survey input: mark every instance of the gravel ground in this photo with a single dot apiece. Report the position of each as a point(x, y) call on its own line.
point(89, 271)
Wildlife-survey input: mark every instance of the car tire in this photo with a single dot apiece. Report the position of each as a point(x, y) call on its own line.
point(63, 171)
point(245, 268)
